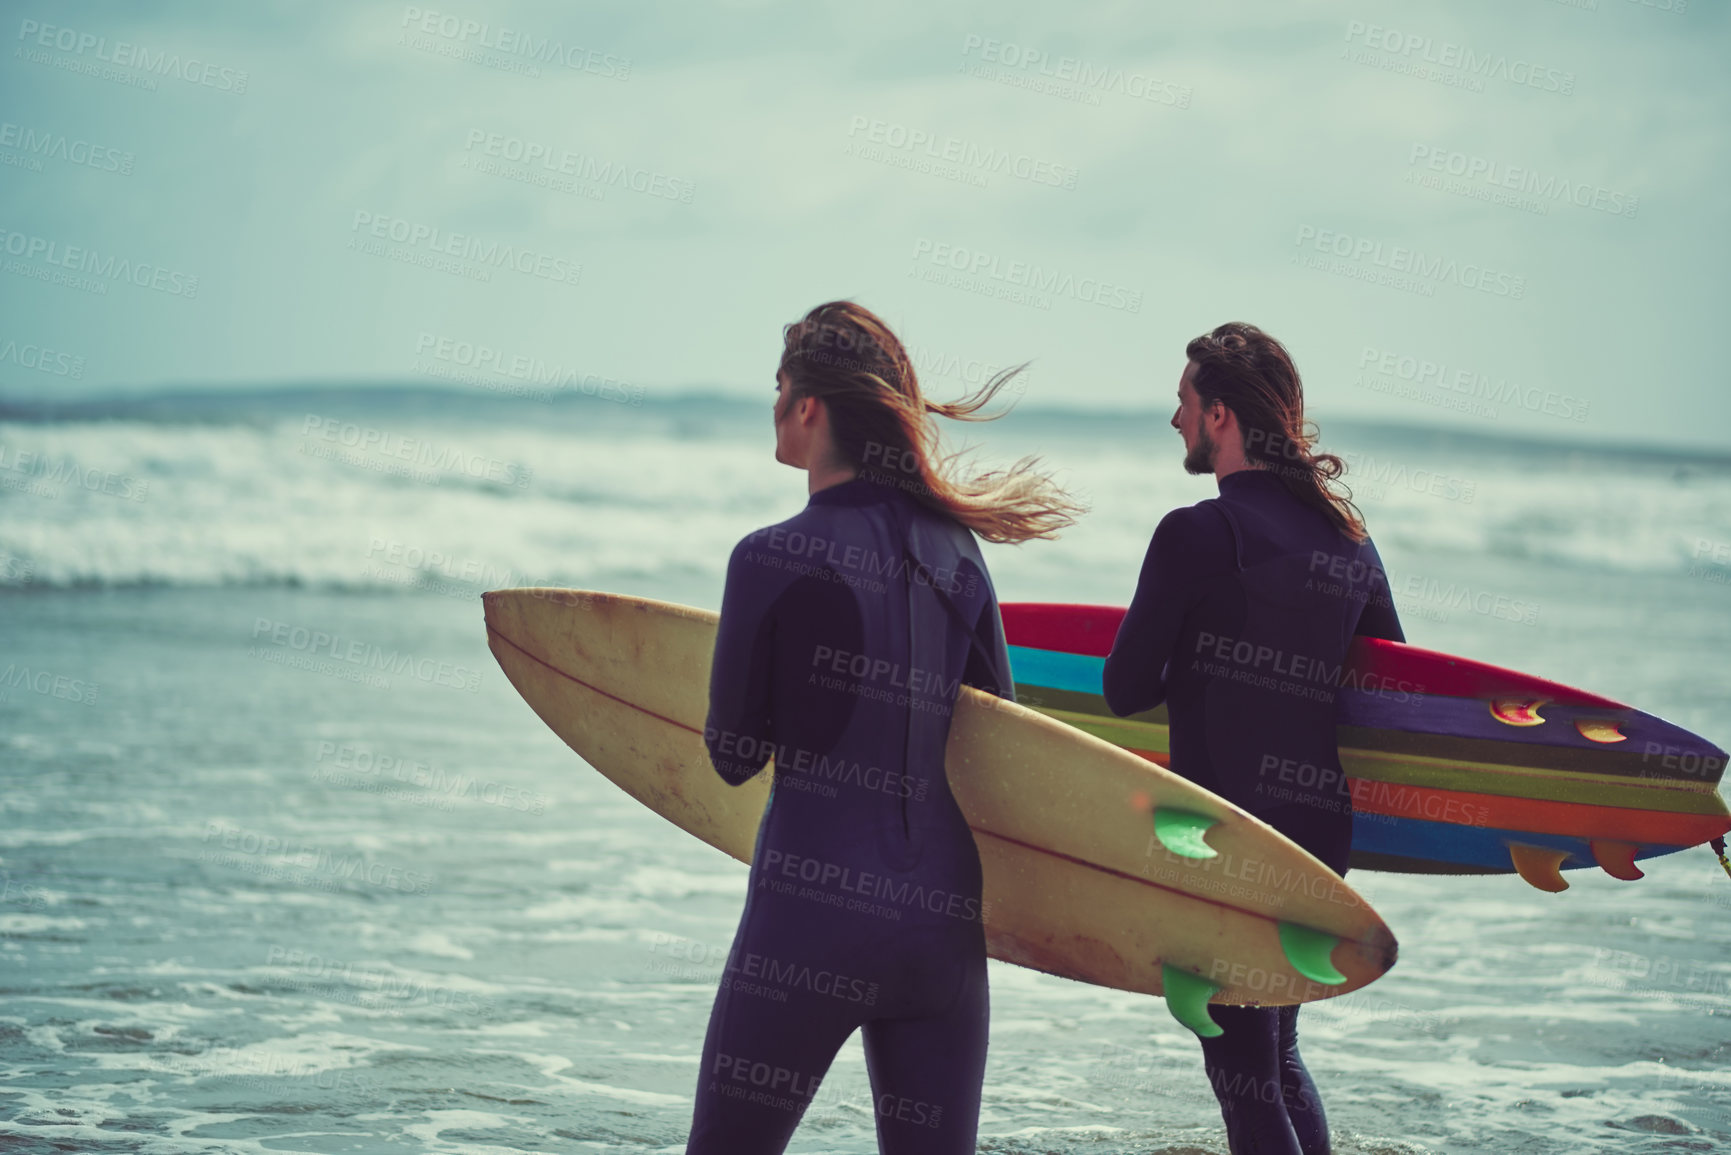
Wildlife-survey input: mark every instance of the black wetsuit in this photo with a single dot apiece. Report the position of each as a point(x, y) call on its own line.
point(845, 634)
point(1240, 624)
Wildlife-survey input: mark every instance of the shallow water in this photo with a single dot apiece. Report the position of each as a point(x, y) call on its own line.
point(253, 907)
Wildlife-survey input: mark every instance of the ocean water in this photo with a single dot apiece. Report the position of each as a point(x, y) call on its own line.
point(255, 897)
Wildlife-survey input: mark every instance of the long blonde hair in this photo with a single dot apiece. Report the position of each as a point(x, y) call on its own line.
point(844, 355)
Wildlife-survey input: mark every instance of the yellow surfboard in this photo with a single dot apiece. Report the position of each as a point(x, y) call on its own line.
point(1098, 865)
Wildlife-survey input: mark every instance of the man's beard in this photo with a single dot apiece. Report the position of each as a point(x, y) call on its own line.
point(1200, 459)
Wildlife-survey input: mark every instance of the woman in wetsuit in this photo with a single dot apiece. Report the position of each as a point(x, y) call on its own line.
point(846, 632)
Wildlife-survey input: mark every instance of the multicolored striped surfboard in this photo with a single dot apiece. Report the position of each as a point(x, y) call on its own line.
point(1454, 766)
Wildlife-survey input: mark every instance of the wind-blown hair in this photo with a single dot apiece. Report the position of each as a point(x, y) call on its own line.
point(845, 356)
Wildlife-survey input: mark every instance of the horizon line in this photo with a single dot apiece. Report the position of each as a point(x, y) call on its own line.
point(40, 407)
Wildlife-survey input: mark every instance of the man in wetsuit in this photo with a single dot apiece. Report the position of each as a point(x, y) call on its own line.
point(1279, 561)
point(846, 633)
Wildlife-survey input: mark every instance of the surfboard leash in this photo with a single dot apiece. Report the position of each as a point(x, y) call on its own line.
point(1718, 845)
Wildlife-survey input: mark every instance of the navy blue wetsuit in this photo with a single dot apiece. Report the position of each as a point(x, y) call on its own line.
point(846, 632)
point(1241, 621)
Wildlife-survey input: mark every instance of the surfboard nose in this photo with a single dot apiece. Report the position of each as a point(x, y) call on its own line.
point(1377, 951)
point(1389, 951)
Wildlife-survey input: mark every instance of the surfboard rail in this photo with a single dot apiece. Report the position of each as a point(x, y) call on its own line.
point(1454, 766)
point(1078, 880)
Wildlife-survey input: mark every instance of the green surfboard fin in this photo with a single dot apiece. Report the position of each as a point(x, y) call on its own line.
point(1308, 950)
point(1187, 998)
point(1181, 831)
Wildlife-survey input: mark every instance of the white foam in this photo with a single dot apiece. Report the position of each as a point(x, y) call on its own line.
point(436, 943)
point(37, 923)
point(551, 1065)
point(246, 503)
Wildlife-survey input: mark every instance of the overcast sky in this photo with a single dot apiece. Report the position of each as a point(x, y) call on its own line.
point(1504, 215)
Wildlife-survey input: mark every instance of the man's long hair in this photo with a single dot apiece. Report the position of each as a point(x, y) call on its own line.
point(1252, 374)
point(844, 355)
